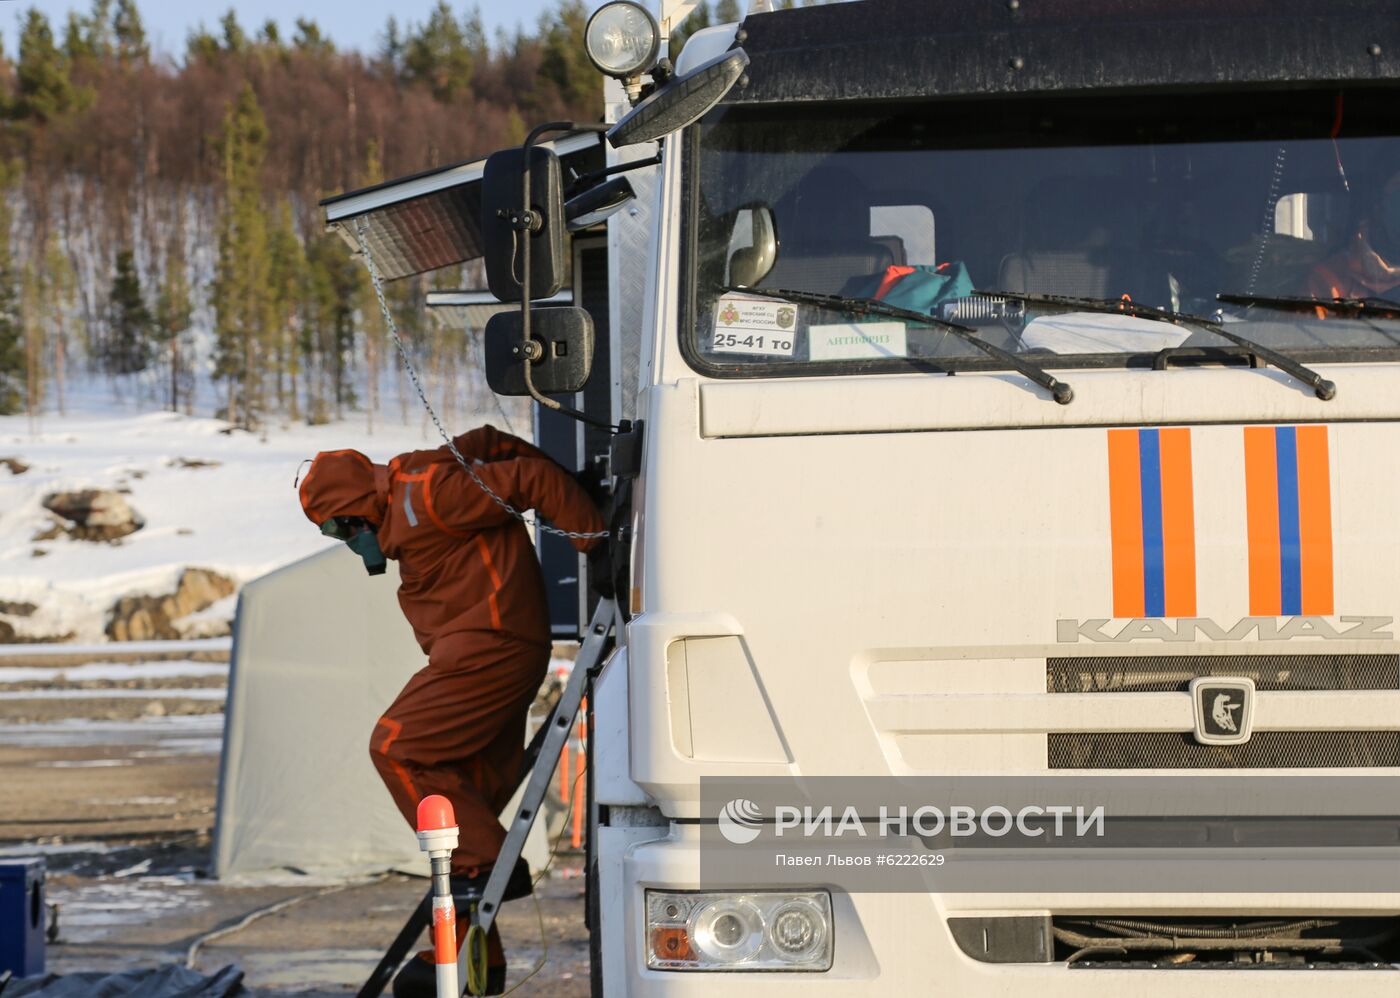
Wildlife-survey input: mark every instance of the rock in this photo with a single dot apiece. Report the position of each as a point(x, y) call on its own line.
point(38, 553)
point(16, 466)
point(192, 462)
point(157, 709)
point(200, 588)
point(152, 618)
point(7, 630)
point(94, 514)
point(17, 608)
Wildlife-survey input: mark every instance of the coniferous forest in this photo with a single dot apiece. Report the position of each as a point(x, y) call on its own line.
point(159, 209)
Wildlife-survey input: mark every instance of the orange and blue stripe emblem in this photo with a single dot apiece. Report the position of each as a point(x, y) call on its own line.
point(1153, 523)
point(1289, 498)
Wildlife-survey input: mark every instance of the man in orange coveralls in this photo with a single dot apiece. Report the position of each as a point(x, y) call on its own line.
point(473, 591)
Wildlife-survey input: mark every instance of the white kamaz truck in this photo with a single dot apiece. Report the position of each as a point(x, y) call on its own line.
point(1010, 391)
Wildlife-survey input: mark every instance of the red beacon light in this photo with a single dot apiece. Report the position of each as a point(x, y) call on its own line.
point(435, 814)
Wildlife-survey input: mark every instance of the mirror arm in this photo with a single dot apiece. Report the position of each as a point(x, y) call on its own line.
point(579, 184)
point(532, 351)
point(530, 222)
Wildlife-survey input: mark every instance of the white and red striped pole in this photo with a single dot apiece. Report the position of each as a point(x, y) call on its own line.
point(437, 836)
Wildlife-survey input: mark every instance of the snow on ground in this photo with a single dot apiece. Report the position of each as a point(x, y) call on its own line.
point(240, 517)
point(200, 734)
point(126, 648)
point(94, 671)
point(164, 693)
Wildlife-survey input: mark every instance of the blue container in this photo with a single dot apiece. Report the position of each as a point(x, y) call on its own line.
point(22, 917)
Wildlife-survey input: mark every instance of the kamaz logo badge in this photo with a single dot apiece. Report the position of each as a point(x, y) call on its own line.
point(1188, 629)
point(1224, 710)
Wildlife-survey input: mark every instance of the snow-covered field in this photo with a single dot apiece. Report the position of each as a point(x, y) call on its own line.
point(237, 514)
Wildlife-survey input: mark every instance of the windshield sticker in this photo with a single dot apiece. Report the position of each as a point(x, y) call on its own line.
point(1092, 332)
point(745, 324)
point(858, 341)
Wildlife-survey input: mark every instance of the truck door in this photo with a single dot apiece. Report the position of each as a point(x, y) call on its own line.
point(577, 446)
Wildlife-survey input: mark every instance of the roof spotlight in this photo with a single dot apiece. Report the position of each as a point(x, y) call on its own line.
point(622, 39)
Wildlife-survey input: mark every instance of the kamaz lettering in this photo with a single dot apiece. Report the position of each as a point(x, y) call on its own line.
point(1101, 629)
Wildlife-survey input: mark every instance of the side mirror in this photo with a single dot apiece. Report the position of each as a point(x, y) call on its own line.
point(753, 253)
point(597, 204)
point(681, 101)
point(563, 344)
point(502, 234)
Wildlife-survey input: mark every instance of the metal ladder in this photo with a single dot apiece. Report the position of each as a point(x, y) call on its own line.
point(541, 760)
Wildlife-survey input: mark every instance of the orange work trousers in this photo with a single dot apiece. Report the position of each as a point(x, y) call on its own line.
point(458, 729)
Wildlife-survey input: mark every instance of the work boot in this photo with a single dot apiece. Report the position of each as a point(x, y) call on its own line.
point(518, 886)
point(418, 979)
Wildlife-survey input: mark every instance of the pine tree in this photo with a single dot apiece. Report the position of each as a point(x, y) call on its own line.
point(100, 29)
point(235, 40)
point(241, 298)
point(130, 33)
point(129, 320)
point(33, 313)
point(286, 283)
point(12, 359)
point(202, 46)
point(44, 88)
point(60, 285)
point(174, 310)
point(564, 61)
point(334, 282)
point(439, 56)
point(391, 49)
point(309, 38)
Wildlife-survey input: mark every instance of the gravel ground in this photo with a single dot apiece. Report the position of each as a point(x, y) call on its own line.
point(118, 792)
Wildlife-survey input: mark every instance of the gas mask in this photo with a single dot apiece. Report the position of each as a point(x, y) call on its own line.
point(359, 536)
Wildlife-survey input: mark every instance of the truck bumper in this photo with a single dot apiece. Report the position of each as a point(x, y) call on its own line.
point(900, 944)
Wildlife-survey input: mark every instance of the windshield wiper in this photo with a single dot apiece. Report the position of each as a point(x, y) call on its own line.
point(1322, 387)
point(1059, 390)
point(1359, 306)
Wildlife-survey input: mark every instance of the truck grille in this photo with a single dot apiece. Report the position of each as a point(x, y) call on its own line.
point(1265, 750)
point(1165, 673)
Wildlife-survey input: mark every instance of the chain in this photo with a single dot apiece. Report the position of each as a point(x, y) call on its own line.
point(423, 397)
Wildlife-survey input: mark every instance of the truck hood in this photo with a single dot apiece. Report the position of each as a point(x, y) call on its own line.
point(954, 576)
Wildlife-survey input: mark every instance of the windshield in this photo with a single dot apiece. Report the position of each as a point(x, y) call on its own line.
point(934, 207)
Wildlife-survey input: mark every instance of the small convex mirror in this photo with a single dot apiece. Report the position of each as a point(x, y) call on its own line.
point(564, 334)
point(502, 241)
point(753, 246)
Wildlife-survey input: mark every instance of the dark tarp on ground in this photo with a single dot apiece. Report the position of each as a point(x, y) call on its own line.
point(169, 981)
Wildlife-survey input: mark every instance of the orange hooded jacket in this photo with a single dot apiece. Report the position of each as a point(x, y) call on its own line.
point(465, 564)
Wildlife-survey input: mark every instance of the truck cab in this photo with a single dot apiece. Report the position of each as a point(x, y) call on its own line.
point(867, 546)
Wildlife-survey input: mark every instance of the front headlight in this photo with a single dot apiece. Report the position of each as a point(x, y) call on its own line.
point(722, 930)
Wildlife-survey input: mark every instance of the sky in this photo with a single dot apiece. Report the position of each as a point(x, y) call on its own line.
point(350, 23)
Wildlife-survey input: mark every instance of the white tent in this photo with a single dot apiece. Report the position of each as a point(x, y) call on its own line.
point(320, 649)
